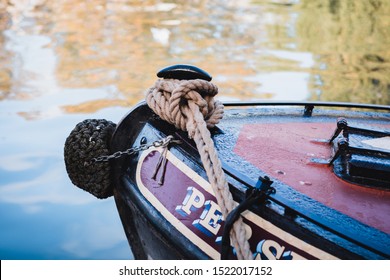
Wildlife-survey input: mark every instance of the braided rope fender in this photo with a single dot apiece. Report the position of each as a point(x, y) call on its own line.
point(90, 139)
point(190, 106)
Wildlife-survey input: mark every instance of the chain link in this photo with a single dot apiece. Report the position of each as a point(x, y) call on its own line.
point(158, 143)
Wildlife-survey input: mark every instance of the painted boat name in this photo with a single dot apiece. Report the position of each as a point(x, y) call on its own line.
point(210, 221)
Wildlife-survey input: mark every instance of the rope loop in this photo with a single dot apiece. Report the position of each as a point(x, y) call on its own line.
point(171, 99)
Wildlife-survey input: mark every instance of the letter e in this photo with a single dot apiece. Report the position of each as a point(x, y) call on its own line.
point(209, 222)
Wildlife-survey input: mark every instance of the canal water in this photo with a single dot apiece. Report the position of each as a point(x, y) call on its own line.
point(67, 60)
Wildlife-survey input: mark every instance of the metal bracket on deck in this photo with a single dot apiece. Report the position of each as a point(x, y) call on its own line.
point(356, 159)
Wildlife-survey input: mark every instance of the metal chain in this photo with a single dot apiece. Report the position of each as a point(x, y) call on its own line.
point(158, 143)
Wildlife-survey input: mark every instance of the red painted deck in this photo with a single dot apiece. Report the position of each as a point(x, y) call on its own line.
point(285, 150)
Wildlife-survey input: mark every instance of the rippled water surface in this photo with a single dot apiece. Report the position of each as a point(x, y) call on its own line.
point(64, 61)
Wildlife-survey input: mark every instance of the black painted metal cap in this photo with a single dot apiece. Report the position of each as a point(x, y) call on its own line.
point(183, 72)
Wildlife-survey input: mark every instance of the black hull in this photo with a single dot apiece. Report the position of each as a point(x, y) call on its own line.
point(152, 236)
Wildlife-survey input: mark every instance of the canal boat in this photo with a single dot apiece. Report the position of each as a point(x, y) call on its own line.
point(310, 180)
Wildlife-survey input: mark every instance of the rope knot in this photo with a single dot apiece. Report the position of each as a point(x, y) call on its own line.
point(179, 102)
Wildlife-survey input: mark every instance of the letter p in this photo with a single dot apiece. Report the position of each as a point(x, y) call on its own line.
point(193, 200)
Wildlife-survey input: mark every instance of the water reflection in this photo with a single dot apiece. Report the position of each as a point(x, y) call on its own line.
point(118, 46)
point(67, 60)
point(350, 40)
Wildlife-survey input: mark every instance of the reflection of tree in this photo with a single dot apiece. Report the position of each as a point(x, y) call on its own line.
point(350, 40)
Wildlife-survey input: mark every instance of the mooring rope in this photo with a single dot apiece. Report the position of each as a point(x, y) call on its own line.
point(190, 106)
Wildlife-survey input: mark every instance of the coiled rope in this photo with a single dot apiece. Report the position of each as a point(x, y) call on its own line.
point(190, 106)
